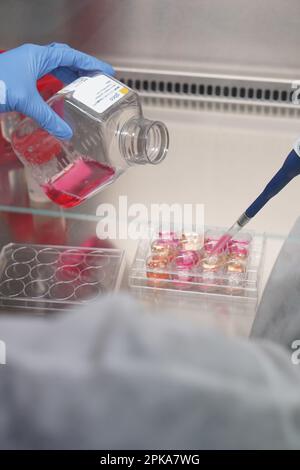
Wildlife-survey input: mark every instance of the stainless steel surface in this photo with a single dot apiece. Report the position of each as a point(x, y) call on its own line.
point(215, 88)
point(222, 160)
point(260, 37)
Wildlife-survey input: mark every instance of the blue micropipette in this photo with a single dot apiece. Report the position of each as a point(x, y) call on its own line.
point(288, 171)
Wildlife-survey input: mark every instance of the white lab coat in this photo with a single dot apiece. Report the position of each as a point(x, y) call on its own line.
point(112, 376)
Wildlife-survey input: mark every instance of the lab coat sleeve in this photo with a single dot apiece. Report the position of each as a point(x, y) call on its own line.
point(112, 376)
point(278, 316)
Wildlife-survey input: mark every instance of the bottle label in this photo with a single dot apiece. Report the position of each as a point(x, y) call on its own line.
point(98, 93)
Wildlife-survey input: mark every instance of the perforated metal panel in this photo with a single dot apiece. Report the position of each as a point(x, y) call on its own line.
point(223, 92)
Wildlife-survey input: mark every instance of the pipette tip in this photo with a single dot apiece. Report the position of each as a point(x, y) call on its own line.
point(231, 232)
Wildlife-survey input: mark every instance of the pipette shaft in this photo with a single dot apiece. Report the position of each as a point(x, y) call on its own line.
point(288, 171)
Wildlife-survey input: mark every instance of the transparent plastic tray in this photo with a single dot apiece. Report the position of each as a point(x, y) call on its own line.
point(198, 281)
point(55, 277)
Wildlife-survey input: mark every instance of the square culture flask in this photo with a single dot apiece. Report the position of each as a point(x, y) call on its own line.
point(110, 134)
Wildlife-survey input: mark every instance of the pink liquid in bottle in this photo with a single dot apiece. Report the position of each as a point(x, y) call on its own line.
point(77, 182)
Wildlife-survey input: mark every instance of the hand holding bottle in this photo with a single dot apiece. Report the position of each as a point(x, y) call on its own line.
point(20, 68)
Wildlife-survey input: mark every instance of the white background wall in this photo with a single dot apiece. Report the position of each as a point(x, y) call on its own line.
point(262, 36)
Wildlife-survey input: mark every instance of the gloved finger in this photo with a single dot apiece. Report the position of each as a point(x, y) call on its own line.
point(37, 109)
point(57, 44)
point(64, 56)
point(65, 74)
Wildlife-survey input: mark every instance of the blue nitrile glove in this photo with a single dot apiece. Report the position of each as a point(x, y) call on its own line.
point(20, 68)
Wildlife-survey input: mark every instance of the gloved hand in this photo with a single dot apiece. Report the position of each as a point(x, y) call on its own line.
point(20, 68)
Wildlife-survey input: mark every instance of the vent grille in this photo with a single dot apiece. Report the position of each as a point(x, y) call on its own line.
point(226, 91)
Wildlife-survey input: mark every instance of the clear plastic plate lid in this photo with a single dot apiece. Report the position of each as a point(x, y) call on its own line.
point(55, 277)
point(182, 263)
